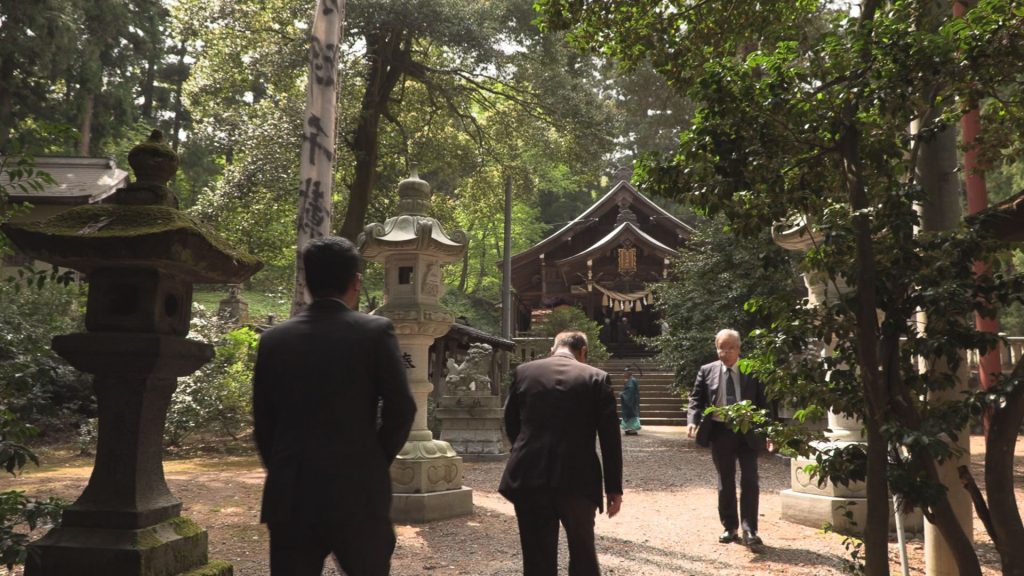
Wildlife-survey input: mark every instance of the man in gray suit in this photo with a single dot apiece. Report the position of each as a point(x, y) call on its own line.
point(317, 384)
point(721, 383)
point(557, 408)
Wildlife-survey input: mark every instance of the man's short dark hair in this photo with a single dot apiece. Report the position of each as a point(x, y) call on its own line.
point(331, 264)
point(572, 339)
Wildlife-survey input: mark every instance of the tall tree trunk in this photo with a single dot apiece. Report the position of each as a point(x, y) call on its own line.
point(389, 56)
point(876, 533)
point(948, 546)
point(464, 274)
point(147, 89)
point(366, 146)
point(1004, 427)
point(85, 140)
point(179, 108)
point(6, 102)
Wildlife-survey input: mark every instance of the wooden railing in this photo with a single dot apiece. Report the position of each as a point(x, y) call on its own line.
point(1009, 353)
point(531, 347)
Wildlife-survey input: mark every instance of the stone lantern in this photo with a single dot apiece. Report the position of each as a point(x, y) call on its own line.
point(141, 256)
point(427, 475)
point(805, 502)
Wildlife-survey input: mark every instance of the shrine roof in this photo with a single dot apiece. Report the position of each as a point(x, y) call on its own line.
point(470, 334)
point(603, 205)
point(1006, 219)
point(76, 180)
point(622, 231)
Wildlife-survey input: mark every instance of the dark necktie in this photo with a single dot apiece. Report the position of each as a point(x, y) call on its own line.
point(730, 388)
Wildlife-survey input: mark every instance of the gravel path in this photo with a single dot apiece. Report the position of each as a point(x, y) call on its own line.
point(668, 525)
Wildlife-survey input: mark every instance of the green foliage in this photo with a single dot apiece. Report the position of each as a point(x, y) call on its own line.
point(565, 318)
point(801, 116)
point(33, 379)
point(710, 289)
point(217, 398)
point(18, 512)
point(36, 385)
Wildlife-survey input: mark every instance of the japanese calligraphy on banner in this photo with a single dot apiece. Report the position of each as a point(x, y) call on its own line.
point(317, 159)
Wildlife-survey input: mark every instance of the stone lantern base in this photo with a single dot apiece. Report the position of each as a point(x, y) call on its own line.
point(420, 508)
point(176, 547)
point(843, 507)
point(426, 480)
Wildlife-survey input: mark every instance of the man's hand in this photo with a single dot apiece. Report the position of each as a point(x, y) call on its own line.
point(614, 503)
point(690, 431)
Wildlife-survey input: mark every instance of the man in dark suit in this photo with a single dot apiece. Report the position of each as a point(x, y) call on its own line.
point(720, 383)
point(316, 387)
point(557, 407)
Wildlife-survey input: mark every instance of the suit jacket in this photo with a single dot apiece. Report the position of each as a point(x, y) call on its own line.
point(556, 409)
point(705, 392)
point(316, 386)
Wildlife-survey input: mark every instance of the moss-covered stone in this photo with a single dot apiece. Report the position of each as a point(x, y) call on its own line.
point(215, 568)
point(148, 538)
point(185, 527)
point(90, 237)
point(158, 535)
point(153, 161)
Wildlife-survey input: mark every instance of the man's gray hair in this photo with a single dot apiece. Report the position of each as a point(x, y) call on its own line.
point(572, 339)
point(727, 333)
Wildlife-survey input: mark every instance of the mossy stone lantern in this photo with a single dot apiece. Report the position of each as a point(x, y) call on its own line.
point(141, 256)
point(427, 475)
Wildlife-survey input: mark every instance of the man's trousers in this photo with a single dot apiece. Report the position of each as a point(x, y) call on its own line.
point(539, 512)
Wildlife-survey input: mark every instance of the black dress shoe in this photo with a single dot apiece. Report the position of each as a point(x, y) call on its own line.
point(728, 536)
point(751, 539)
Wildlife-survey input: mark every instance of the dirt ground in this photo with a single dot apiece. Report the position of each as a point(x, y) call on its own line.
point(668, 525)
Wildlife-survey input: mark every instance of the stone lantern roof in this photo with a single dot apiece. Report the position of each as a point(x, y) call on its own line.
point(412, 230)
point(140, 228)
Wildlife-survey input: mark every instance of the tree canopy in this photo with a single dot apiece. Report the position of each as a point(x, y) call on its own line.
point(803, 114)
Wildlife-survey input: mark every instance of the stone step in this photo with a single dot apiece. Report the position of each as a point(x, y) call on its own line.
point(662, 421)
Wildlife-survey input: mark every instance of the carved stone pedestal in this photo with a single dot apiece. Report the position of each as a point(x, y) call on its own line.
point(428, 487)
point(472, 424)
point(809, 505)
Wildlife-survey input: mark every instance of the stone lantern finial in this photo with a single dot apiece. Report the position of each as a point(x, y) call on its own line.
point(414, 194)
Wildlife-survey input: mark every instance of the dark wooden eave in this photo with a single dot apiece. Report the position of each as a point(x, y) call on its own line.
point(472, 335)
point(608, 202)
point(1006, 219)
point(624, 231)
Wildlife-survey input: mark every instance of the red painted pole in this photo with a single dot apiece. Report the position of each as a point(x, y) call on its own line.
point(989, 365)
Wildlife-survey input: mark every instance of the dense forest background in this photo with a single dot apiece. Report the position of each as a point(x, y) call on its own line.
point(472, 92)
point(737, 119)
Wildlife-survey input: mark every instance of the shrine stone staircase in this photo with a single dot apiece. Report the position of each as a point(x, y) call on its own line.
point(659, 405)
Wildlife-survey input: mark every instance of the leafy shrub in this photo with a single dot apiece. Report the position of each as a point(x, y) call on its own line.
point(571, 318)
point(218, 397)
point(19, 514)
point(36, 384)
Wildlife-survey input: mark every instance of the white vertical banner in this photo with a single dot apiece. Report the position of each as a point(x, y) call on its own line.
point(317, 161)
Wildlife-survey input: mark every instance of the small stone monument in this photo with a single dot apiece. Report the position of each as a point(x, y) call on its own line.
point(427, 475)
point(471, 415)
point(234, 308)
point(142, 256)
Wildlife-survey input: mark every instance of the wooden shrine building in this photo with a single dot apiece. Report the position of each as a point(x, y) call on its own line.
point(603, 262)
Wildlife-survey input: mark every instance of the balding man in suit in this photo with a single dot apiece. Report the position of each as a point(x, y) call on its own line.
point(721, 383)
point(557, 407)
